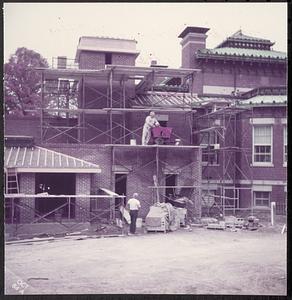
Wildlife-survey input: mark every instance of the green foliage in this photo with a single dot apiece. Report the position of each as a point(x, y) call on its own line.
point(22, 82)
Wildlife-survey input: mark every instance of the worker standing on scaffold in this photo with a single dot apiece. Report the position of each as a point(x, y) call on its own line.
point(150, 122)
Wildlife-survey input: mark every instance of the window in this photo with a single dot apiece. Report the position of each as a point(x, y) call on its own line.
point(108, 58)
point(262, 144)
point(285, 143)
point(209, 141)
point(208, 198)
point(262, 199)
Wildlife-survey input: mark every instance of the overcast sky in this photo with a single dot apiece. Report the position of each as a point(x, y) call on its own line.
point(53, 29)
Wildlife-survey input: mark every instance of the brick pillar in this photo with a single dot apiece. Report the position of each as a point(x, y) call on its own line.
point(27, 186)
point(197, 175)
point(82, 204)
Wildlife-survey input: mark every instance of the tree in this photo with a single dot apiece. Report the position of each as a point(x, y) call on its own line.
point(22, 82)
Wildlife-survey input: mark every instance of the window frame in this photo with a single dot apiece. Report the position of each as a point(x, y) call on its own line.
point(211, 147)
point(262, 163)
point(255, 198)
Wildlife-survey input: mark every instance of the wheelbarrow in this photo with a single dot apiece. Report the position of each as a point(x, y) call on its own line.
point(161, 134)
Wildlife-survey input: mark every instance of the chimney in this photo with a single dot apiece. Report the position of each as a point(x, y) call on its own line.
point(193, 39)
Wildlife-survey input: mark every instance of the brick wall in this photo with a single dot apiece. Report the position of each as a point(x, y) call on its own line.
point(140, 177)
point(82, 209)
point(26, 125)
point(27, 186)
point(277, 172)
point(240, 76)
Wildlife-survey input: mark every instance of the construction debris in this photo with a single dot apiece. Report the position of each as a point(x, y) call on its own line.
point(252, 223)
point(234, 222)
point(206, 221)
point(217, 226)
point(164, 217)
point(284, 229)
point(30, 240)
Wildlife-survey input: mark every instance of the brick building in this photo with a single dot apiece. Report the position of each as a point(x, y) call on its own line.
point(249, 164)
point(228, 130)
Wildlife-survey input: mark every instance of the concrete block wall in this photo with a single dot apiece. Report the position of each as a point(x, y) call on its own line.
point(90, 60)
point(27, 186)
point(123, 59)
point(96, 60)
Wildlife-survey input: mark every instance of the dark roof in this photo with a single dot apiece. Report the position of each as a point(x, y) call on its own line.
point(191, 29)
point(240, 37)
point(243, 53)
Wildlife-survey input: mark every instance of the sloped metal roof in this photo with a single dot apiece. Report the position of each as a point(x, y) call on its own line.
point(37, 159)
point(166, 99)
point(244, 52)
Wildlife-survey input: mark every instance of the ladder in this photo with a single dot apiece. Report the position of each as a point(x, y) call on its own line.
point(12, 186)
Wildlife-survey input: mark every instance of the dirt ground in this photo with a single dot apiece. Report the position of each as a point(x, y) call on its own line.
point(198, 262)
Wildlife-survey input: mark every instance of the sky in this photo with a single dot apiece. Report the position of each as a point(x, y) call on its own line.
point(53, 29)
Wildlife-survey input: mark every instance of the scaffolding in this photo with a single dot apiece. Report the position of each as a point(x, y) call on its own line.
point(54, 215)
point(216, 130)
point(71, 96)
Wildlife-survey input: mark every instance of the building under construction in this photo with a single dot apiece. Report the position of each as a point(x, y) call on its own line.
point(79, 157)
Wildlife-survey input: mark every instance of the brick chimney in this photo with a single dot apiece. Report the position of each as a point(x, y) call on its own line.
point(193, 39)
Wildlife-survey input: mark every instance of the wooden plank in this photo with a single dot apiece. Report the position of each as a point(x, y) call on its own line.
point(60, 196)
point(154, 146)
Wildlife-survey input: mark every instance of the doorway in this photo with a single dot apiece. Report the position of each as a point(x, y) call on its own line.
point(121, 189)
point(55, 184)
point(170, 183)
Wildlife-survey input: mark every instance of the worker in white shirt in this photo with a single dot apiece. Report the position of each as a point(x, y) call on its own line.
point(134, 206)
point(150, 122)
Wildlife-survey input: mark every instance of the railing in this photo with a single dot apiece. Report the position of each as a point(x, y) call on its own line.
point(62, 62)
